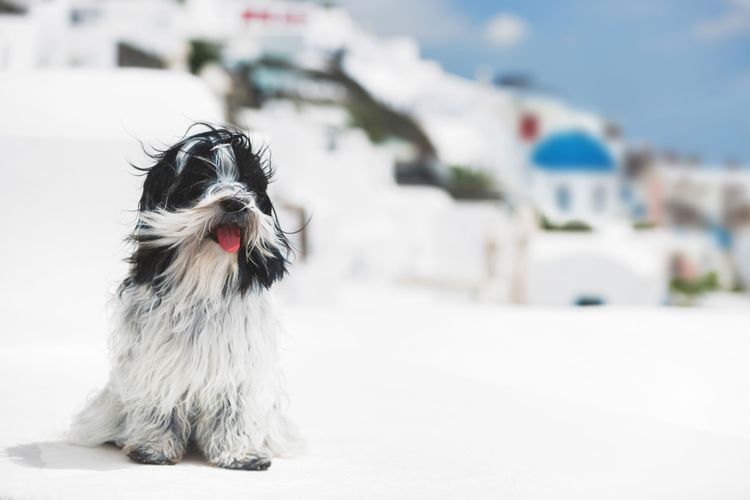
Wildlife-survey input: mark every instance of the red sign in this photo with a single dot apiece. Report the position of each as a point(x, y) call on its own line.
point(528, 127)
point(250, 15)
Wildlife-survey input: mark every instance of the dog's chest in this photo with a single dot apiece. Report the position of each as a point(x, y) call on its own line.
point(195, 344)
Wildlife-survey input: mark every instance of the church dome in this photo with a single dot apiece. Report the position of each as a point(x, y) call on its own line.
point(572, 152)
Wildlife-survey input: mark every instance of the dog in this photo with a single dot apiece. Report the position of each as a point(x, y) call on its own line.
point(195, 344)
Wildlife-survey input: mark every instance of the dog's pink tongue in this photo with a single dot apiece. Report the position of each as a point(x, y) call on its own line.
point(229, 238)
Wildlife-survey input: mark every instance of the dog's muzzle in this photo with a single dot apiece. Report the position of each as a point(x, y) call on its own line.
point(228, 233)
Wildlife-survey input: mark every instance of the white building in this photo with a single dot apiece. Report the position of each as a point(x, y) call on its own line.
point(17, 42)
point(572, 176)
point(92, 34)
point(616, 267)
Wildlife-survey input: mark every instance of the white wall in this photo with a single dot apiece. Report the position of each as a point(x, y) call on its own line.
point(18, 42)
point(581, 188)
point(619, 269)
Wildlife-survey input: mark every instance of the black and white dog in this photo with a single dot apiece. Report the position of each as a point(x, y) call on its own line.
point(195, 357)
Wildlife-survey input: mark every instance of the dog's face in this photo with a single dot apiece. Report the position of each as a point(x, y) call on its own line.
point(205, 193)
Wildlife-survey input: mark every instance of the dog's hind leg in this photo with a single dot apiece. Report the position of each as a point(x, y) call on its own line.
point(156, 437)
point(101, 420)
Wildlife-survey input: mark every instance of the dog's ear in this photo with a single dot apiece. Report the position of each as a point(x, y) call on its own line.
point(159, 179)
point(263, 270)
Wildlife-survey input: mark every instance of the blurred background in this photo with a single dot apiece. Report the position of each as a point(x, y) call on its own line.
point(506, 153)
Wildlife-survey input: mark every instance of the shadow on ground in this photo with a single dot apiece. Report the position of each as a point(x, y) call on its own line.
point(63, 455)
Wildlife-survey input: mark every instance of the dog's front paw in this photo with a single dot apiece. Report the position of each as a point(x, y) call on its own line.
point(252, 463)
point(153, 454)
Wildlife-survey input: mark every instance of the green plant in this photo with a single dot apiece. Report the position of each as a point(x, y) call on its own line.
point(574, 226)
point(203, 52)
point(696, 286)
point(470, 183)
point(370, 118)
point(643, 225)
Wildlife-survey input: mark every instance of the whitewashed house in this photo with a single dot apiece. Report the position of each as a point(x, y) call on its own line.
point(573, 176)
point(612, 267)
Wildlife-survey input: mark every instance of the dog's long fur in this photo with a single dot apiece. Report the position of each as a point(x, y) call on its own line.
point(194, 351)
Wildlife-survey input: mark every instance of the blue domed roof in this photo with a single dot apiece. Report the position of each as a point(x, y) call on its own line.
point(572, 151)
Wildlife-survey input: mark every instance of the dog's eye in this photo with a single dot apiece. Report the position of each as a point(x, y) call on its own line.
point(187, 193)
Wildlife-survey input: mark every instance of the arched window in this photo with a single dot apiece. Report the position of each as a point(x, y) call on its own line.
point(562, 196)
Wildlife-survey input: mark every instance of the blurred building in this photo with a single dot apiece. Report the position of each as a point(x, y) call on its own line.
point(573, 177)
point(413, 177)
point(95, 34)
point(613, 267)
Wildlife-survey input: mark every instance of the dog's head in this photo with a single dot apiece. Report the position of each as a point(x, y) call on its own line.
point(205, 198)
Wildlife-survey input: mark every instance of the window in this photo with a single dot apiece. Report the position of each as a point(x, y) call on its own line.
point(562, 195)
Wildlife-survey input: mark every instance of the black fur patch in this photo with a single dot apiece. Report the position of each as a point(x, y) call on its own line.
point(145, 455)
point(256, 463)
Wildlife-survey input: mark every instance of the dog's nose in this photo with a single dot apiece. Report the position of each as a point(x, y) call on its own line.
point(231, 205)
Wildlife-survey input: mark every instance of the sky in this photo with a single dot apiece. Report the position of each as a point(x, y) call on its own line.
point(674, 74)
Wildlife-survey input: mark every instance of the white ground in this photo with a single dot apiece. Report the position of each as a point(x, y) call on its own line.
point(421, 402)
